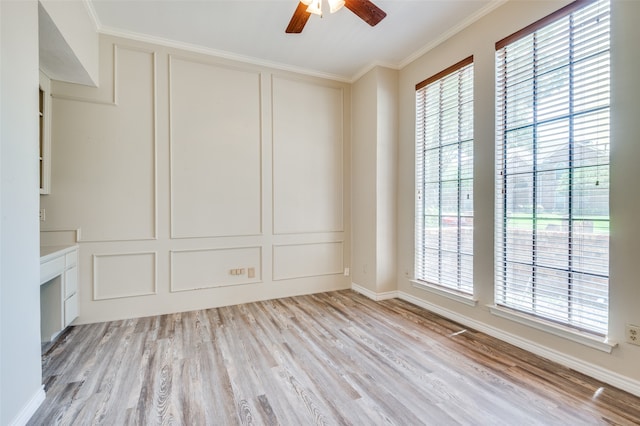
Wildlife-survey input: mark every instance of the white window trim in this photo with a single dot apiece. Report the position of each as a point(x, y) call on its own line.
point(587, 339)
point(445, 292)
point(532, 319)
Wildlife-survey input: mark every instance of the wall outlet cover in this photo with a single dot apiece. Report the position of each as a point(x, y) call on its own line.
point(632, 333)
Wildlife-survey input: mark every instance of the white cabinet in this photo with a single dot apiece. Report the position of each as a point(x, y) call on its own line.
point(70, 309)
point(58, 289)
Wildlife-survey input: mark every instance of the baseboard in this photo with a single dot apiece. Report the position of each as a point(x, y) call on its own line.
point(29, 409)
point(591, 370)
point(373, 295)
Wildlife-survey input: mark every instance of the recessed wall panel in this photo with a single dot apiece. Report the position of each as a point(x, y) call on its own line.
point(307, 157)
point(103, 157)
point(215, 150)
point(307, 260)
point(123, 275)
point(199, 269)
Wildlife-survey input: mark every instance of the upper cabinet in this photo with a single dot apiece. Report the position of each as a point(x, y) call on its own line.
point(45, 133)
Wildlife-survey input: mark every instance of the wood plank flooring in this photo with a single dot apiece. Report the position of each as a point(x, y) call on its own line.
point(336, 358)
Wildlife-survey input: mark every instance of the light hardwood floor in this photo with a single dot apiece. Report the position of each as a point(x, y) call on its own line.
point(332, 358)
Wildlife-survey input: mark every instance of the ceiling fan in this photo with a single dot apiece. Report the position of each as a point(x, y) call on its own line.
point(365, 9)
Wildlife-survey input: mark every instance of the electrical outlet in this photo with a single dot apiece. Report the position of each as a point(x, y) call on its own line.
point(633, 334)
point(346, 272)
point(42, 215)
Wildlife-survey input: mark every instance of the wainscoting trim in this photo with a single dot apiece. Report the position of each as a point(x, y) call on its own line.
point(95, 276)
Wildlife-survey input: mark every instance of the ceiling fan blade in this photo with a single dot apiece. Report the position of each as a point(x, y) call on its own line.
point(367, 11)
point(299, 19)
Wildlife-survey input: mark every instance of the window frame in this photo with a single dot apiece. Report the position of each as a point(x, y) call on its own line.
point(568, 329)
point(459, 292)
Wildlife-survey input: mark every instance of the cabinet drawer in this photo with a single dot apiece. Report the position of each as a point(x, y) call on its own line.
point(70, 309)
point(51, 269)
point(71, 258)
point(70, 282)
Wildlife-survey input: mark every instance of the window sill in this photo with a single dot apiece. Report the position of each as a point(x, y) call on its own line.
point(445, 292)
point(596, 342)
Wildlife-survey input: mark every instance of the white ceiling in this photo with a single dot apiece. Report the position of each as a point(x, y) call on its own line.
point(339, 46)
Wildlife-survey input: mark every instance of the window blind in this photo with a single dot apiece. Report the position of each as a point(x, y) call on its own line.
point(444, 178)
point(552, 183)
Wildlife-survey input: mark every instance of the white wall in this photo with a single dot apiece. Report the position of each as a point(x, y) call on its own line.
point(181, 167)
point(625, 174)
point(20, 371)
point(363, 178)
point(373, 175)
point(68, 42)
point(620, 367)
point(386, 177)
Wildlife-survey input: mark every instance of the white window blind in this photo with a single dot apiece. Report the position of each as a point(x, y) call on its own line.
point(444, 178)
point(552, 183)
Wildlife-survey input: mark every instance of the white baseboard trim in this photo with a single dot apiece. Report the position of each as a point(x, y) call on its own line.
point(29, 409)
point(591, 370)
point(372, 294)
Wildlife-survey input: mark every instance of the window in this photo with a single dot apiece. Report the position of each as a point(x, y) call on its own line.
point(444, 178)
point(552, 183)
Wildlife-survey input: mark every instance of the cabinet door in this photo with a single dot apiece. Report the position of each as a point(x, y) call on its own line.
point(70, 309)
point(70, 282)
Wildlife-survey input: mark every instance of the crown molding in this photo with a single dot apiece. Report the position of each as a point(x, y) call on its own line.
point(371, 66)
point(194, 48)
point(285, 67)
point(88, 5)
point(451, 32)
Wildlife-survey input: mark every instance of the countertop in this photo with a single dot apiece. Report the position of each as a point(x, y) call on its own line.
point(50, 252)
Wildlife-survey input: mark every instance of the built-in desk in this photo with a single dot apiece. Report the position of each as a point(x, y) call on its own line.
point(58, 289)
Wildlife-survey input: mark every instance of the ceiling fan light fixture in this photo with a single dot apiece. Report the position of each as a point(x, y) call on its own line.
point(315, 7)
point(335, 5)
point(364, 9)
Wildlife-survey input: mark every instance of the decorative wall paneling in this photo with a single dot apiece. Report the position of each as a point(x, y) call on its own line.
point(307, 260)
point(199, 182)
point(215, 144)
point(104, 155)
point(209, 268)
point(124, 275)
point(308, 149)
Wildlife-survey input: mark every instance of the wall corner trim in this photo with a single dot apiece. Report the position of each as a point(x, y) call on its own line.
point(372, 294)
point(30, 408)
